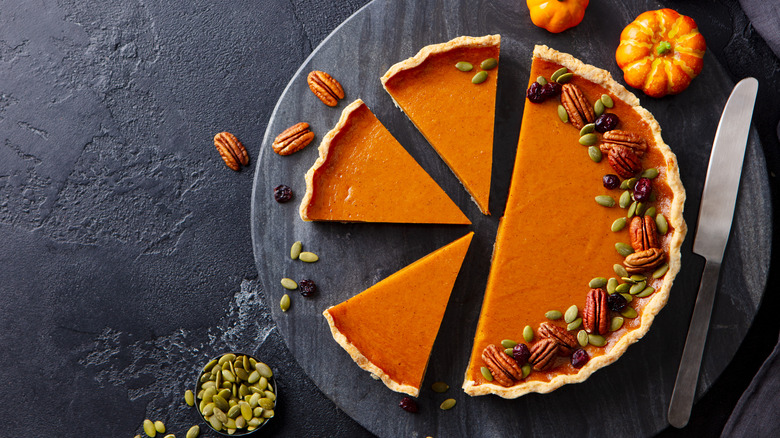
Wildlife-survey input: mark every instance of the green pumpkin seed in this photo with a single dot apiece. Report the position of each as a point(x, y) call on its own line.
point(623, 288)
point(241, 422)
point(598, 108)
point(149, 429)
point(215, 423)
point(650, 173)
point(220, 403)
point(619, 224)
point(246, 410)
point(489, 64)
point(605, 201)
point(227, 357)
point(254, 376)
point(624, 249)
point(564, 78)
point(234, 411)
point(582, 338)
point(620, 270)
point(632, 182)
point(541, 80)
point(595, 154)
point(264, 370)
point(464, 66)
point(589, 139)
point(289, 283)
point(242, 375)
point(607, 101)
point(640, 208)
point(631, 210)
point(295, 250)
point(228, 376)
point(650, 212)
point(597, 340)
point(638, 287)
point(265, 403)
point(629, 312)
point(636, 278)
point(189, 398)
point(646, 292)
point(447, 404)
point(612, 284)
point(284, 304)
point(597, 282)
point(440, 387)
point(616, 323)
point(254, 422)
point(587, 129)
point(308, 257)
point(628, 280)
point(225, 393)
point(253, 400)
point(159, 426)
point(526, 370)
point(625, 199)
point(528, 333)
point(193, 432)
point(258, 411)
point(571, 313)
point(553, 315)
point(487, 374)
point(509, 351)
point(508, 343)
point(557, 73)
point(628, 297)
point(658, 273)
point(263, 382)
point(268, 413)
point(479, 77)
point(562, 114)
point(208, 410)
point(624, 184)
point(661, 225)
point(574, 325)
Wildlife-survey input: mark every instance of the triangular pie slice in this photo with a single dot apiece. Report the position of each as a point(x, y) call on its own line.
point(556, 248)
point(452, 112)
point(389, 328)
point(364, 175)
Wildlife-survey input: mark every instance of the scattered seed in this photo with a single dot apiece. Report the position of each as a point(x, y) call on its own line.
point(625, 199)
point(528, 333)
point(564, 78)
point(560, 71)
point(612, 284)
point(646, 292)
point(619, 224)
point(574, 325)
point(189, 398)
point(308, 257)
point(289, 283)
point(597, 340)
point(616, 323)
point(598, 108)
point(489, 64)
point(607, 101)
point(605, 201)
point(650, 173)
point(541, 80)
point(624, 249)
point(632, 182)
point(479, 77)
point(629, 312)
point(464, 66)
point(597, 282)
point(487, 374)
point(595, 154)
point(553, 314)
point(285, 303)
point(620, 270)
point(193, 432)
point(526, 370)
point(295, 250)
point(589, 139)
point(587, 129)
point(440, 387)
point(661, 225)
point(447, 404)
point(658, 273)
point(149, 428)
point(638, 287)
point(623, 289)
point(509, 351)
point(508, 343)
point(582, 338)
point(637, 278)
point(624, 184)
point(628, 297)
point(159, 426)
point(640, 208)
point(650, 212)
point(571, 313)
point(562, 114)
point(631, 210)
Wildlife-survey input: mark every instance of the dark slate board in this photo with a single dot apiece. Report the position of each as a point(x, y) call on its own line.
point(628, 398)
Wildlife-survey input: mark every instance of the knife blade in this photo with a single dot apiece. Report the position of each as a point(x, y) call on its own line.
point(716, 213)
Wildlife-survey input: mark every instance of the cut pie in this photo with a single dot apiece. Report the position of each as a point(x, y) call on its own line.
point(389, 328)
point(364, 175)
point(562, 243)
point(448, 91)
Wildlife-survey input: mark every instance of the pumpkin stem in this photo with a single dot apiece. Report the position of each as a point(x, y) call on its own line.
point(663, 47)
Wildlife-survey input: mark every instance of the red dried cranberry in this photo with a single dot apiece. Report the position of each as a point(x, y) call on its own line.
point(282, 193)
point(534, 93)
point(616, 302)
point(308, 288)
point(607, 122)
point(551, 89)
point(642, 189)
point(579, 358)
point(521, 353)
point(409, 405)
point(611, 181)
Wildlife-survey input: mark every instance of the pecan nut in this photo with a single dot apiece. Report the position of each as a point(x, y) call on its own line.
point(595, 318)
point(643, 233)
point(624, 160)
point(577, 106)
point(327, 89)
point(627, 139)
point(231, 150)
point(293, 139)
point(504, 368)
point(642, 261)
point(543, 354)
point(567, 342)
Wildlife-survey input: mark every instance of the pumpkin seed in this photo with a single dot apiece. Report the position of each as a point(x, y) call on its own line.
point(464, 66)
point(661, 225)
point(597, 282)
point(607, 101)
point(159, 426)
point(509, 351)
point(612, 284)
point(189, 398)
point(582, 338)
point(562, 114)
point(215, 423)
point(623, 288)
point(508, 343)
point(526, 370)
point(553, 315)
point(646, 292)
point(629, 312)
point(598, 108)
point(268, 413)
point(241, 422)
point(295, 250)
point(208, 394)
point(624, 184)
point(447, 404)
point(620, 270)
point(284, 304)
point(149, 428)
point(658, 273)
point(479, 77)
point(220, 403)
point(597, 340)
point(564, 78)
point(528, 333)
point(308, 257)
point(541, 80)
point(624, 249)
point(489, 64)
point(246, 410)
point(589, 139)
point(628, 297)
point(227, 357)
point(650, 173)
point(632, 182)
point(636, 278)
point(265, 403)
point(625, 199)
point(650, 212)
point(571, 313)
point(225, 393)
point(638, 287)
point(616, 323)
point(631, 210)
point(264, 370)
point(193, 432)
point(605, 201)
point(234, 411)
point(619, 224)
point(557, 73)
point(487, 374)
point(587, 129)
point(440, 387)
point(595, 154)
point(574, 325)
point(289, 283)
point(640, 208)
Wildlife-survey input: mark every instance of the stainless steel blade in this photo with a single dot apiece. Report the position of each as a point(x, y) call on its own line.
point(716, 213)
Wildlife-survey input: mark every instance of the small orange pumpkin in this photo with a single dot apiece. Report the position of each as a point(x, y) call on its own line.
point(557, 15)
point(661, 52)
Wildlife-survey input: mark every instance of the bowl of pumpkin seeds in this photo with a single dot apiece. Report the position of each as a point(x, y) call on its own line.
point(236, 394)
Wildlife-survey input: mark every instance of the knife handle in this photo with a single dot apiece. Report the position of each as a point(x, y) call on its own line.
point(688, 373)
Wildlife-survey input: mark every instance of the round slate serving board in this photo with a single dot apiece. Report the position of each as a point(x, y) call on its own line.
point(628, 398)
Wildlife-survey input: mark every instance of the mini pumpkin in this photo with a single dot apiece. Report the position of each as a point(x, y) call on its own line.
point(557, 15)
point(660, 52)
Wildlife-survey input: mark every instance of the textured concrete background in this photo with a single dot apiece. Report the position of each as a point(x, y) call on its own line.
point(125, 257)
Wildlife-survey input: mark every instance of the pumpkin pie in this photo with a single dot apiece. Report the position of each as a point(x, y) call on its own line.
point(389, 328)
point(589, 244)
point(364, 175)
point(448, 91)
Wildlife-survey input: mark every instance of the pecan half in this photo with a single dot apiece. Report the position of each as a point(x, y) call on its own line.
point(577, 106)
point(595, 318)
point(628, 139)
point(643, 233)
point(567, 342)
point(327, 89)
point(543, 354)
point(231, 150)
point(624, 160)
point(504, 369)
point(642, 261)
point(293, 139)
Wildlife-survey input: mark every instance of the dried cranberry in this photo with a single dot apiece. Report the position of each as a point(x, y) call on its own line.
point(282, 193)
point(551, 89)
point(611, 181)
point(616, 302)
point(579, 358)
point(642, 189)
point(409, 405)
point(308, 288)
point(521, 353)
point(534, 93)
point(606, 122)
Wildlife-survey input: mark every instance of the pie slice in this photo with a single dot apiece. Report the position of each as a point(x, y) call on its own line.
point(450, 107)
point(364, 175)
point(389, 328)
point(556, 248)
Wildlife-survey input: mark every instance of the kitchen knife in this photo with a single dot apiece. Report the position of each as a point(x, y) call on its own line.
point(716, 213)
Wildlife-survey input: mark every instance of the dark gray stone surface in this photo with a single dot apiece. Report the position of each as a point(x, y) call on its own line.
point(125, 257)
